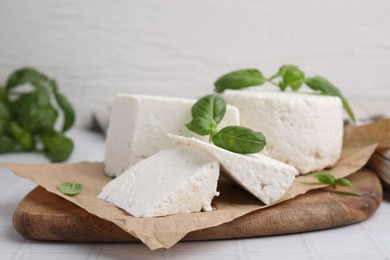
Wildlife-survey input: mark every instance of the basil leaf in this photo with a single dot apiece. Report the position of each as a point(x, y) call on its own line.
point(4, 116)
point(7, 144)
point(239, 79)
point(202, 126)
point(23, 76)
point(239, 139)
point(325, 87)
point(23, 137)
point(67, 109)
point(324, 177)
point(56, 146)
point(3, 110)
point(344, 182)
point(70, 188)
point(36, 113)
point(211, 107)
point(3, 93)
point(292, 77)
point(3, 125)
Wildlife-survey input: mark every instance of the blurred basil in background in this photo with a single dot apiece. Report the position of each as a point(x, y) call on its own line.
point(30, 105)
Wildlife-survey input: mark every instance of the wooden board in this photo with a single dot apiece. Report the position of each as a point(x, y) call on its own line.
point(380, 163)
point(45, 216)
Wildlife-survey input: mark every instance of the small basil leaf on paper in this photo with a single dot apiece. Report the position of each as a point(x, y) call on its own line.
point(325, 87)
point(202, 126)
point(67, 109)
point(292, 77)
point(239, 79)
point(23, 137)
point(70, 188)
point(211, 107)
point(239, 139)
point(56, 146)
point(7, 144)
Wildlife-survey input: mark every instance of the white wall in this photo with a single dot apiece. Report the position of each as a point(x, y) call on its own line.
point(97, 48)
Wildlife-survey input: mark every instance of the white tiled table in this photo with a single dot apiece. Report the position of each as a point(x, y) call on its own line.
point(369, 239)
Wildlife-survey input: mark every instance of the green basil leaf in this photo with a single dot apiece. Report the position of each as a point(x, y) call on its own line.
point(239, 139)
point(70, 188)
point(202, 126)
point(344, 182)
point(7, 144)
point(325, 87)
point(3, 94)
point(3, 124)
point(4, 113)
point(211, 107)
point(67, 109)
point(36, 112)
point(56, 146)
point(16, 105)
point(23, 76)
point(23, 137)
point(292, 77)
point(239, 79)
point(324, 177)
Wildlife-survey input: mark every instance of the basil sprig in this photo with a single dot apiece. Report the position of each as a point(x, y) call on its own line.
point(327, 178)
point(28, 117)
point(208, 112)
point(287, 76)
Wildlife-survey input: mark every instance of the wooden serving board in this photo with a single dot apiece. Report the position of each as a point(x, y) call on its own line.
point(46, 216)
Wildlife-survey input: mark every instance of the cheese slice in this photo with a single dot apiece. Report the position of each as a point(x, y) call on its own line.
point(265, 178)
point(139, 125)
point(303, 130)
point(181, 179)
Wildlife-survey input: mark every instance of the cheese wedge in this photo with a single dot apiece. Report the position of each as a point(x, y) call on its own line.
point(303, 130)
point(139, 125)
point(181, 179)
point(265, 178)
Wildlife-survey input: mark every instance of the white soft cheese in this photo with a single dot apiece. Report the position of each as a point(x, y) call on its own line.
point(181, 179)
point(139, 125)
point(303, 130)
point(267, 179)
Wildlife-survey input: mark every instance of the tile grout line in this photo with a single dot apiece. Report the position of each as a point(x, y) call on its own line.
point(377, 242)
point(22, 251)
point(310, 245)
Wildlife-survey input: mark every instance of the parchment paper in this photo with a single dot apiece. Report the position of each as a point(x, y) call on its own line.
point(163, 232)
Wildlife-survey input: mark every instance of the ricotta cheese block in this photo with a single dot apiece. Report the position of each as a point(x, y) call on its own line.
point(181, 179)
point(303, 130)
point(265, 178)
point(139, 124)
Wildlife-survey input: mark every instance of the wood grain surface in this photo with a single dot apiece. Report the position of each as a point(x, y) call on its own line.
point(45, 216)
point(380, 163)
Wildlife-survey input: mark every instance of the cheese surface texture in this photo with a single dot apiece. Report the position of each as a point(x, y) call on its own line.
point(265, 178)
point(139, 125)
point(302, 130)
point(181, 179)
